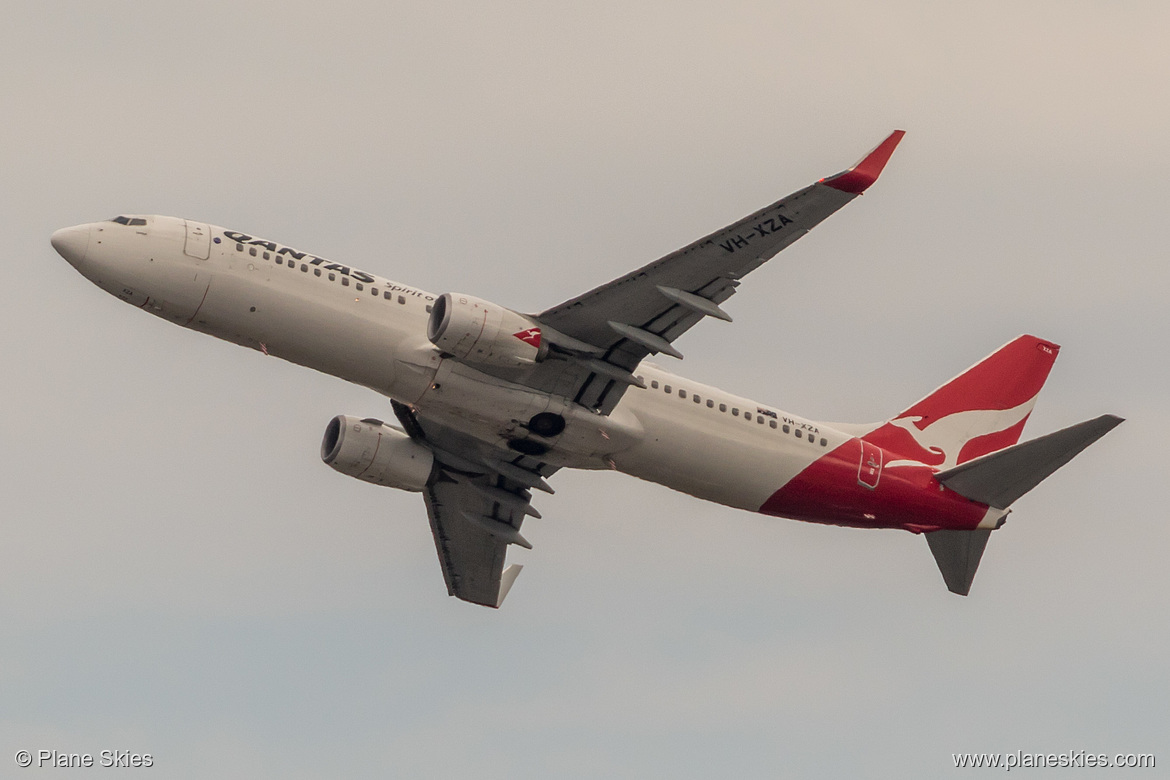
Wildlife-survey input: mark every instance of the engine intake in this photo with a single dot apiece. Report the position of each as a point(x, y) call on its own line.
point(374, 452)
point(478, 331)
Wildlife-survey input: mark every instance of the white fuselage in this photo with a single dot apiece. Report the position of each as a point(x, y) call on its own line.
point(371, 331)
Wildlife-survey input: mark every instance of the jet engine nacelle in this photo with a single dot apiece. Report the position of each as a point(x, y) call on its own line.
point(477, 331)
point(374, 452)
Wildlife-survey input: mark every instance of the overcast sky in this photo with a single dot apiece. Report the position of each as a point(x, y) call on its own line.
point(180, 575)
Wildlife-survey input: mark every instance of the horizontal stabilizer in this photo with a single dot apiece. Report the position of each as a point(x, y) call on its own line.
point(957, 554)
point(999, 478)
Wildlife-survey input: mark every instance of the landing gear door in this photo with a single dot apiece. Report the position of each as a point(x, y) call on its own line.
point(869, 471)
point(198, 244)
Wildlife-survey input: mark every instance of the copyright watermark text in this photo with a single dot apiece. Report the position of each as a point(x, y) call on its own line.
point(1070, 759)
point(58, 759)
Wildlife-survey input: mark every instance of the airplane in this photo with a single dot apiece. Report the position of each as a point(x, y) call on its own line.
point(490, 402)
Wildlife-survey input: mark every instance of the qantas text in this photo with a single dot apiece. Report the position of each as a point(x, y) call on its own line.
point(272, 246)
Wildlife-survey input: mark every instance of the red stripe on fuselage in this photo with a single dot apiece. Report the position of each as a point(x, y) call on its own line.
point(908, 497)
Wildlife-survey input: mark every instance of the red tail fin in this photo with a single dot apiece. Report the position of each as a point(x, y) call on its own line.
point(980, 411)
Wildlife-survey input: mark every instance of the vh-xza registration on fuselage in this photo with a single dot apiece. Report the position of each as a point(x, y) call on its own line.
point(490, 403)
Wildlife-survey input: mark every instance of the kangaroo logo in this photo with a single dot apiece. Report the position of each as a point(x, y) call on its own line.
point(946, 436)
point(530, 336)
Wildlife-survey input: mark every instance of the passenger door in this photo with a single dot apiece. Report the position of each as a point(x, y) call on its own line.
point(869, 471)
point(198, 244)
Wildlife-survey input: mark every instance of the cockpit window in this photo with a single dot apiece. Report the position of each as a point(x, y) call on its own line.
point(129, 220)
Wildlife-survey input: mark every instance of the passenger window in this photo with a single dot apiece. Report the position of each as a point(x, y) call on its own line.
point(239, 247)
point(387, 295)
point(772, 423)
point(374, 292)
point(428, 308)
point(798, 433)
point(697, 399)
point(787, 429)
point(316, 272)
point(710, 404)
point(279, 260)
point(304, 268)
point(759, 419)
point(723, 407)
point(252, 251)
point(359, 286)
point(734, 412)
point(654, 383)
point(682, 393)
point(345, 281)
point(824, 442)
point(747, 416)
point(332, 277)
point(267, 256)
point(401, 299)
point(666, 388)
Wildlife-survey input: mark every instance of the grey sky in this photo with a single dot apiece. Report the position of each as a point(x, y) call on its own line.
point(180, 575)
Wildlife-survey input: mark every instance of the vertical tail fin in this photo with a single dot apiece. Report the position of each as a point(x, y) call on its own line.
point(980, 411)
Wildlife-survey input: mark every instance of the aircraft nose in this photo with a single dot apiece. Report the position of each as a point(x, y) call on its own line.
point(72, 243)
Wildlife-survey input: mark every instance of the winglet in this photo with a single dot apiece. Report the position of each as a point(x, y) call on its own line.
point(858, 178)
point(506, 579)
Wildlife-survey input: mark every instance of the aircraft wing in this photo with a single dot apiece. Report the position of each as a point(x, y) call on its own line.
point(472, 559)
point(476, 503)
point(604, 334)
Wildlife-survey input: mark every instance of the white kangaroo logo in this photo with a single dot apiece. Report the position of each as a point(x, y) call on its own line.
point(947, 435)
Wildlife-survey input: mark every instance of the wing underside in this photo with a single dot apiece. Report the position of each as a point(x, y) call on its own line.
point(472, 558)
point(477, 499)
